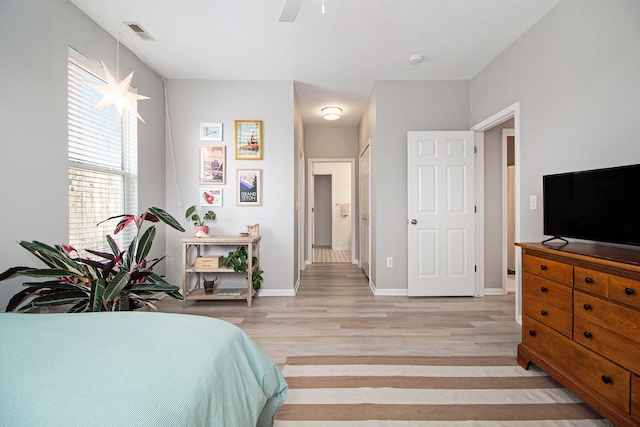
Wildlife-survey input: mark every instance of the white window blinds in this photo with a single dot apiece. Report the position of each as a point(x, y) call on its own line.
point(103, 161)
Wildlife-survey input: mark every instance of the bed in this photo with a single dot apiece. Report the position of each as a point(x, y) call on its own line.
point(133, 369)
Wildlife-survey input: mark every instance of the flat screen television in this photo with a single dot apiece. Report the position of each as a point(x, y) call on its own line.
point(600, 205)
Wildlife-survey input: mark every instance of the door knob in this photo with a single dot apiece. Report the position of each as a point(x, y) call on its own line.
point(414, 222)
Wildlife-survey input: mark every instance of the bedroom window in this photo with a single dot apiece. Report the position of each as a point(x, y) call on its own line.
point(103, 161)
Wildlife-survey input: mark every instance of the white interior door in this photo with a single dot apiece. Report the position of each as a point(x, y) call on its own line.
point(441, 208)
point(364, 210)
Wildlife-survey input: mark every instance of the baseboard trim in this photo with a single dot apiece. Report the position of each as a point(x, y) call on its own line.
point(494, 291)
point(277, 293)
point(391, 292)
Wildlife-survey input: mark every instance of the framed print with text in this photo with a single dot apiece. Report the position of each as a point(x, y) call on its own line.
point(248, 187)
point(248, 139)
point(211, 164)
point(211, 197)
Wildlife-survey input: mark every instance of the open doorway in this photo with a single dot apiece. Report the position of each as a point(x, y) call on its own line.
point(331, 224)
point(510, 113)
point(509, 207)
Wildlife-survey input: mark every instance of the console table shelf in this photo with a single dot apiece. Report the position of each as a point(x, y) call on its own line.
point(193, 247)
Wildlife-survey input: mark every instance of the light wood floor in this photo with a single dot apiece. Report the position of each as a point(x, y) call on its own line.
point(335, 313)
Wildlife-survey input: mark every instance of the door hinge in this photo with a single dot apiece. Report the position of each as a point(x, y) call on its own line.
point(475, 268)
point(475, 209)
point(475, 150)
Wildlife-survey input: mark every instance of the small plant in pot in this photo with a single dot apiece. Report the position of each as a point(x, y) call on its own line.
point(238, 261)
point(198, 221)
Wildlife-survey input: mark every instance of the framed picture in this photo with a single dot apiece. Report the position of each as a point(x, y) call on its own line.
point(248, 187)
point(211, 131)
point(248, 139)
point(211, 164)
point(211, 197)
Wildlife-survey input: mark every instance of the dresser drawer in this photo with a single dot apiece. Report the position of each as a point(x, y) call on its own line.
point(615, 317)
point(592, 281)
point(614, 347)
point(627, 291)
point(635, 397)
point(605, 378)
point(550, 315)
point(551, 293)
point(548, 269)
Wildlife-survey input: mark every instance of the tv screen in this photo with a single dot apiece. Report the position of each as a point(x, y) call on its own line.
point(600, 205)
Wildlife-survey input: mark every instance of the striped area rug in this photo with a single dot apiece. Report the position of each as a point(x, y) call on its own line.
point(348, 391)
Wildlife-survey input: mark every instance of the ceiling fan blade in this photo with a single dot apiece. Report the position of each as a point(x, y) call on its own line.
point(290, 10)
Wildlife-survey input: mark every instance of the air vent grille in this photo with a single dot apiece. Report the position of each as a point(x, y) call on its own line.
point(137, 28)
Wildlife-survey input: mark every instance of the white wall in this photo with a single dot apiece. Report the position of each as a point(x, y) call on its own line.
point(191, 102)
point(576, 74)
point(35, 37)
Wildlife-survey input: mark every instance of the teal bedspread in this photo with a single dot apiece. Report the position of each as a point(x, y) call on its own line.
point(133, 369)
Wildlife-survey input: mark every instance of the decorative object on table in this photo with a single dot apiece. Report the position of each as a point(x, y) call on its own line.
point(211, 164)
point(199, 222)
point(238, 261)
point(253, 229)
point(230, 292)
point(211, 132)
point(209, 285)
point(208, 262)
point(248, 187)
point(248, 144)
point(211, 197)
point(244, 234)
point(117, 281)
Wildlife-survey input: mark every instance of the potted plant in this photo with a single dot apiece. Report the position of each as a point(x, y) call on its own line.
point(198, 222)
point(116, 281)
point(238, 261)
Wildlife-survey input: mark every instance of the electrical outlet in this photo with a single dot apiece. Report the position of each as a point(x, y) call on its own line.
point(533, 202)
point(389, 261)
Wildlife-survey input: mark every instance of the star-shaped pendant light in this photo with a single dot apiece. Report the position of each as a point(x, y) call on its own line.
point(118, 94)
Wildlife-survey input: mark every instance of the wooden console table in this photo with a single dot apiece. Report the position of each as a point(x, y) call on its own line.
point(193, 247)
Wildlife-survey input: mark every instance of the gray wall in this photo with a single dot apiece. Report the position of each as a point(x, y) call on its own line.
point(191, 102)
point(402, 106)
point(35, 37)
point(576, 74)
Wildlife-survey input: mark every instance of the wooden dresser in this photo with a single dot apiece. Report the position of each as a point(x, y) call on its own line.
point(581, 323)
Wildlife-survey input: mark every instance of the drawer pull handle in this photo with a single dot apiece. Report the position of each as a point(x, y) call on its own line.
point(588, 280)
point(543, 289)
point(587, 335)
point(629, 291)
point(532, 333)
point(606, 379)
point(543, 267)
point(544, 312)
point(587, 307)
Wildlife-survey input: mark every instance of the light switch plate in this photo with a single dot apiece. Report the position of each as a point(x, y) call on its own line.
point(533, 202)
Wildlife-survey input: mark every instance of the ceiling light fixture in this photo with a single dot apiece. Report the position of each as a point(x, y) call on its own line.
point(415, 59)
point(331, 113)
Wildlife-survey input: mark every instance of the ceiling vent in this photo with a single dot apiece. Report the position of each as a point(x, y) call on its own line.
point(137, 28)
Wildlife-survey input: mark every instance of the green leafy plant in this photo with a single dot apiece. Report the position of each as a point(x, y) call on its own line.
point(192, 213)
point(238, 261)
point(119, 280)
